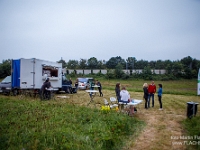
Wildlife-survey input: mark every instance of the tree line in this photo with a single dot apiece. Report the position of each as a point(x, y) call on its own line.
point(186, 68)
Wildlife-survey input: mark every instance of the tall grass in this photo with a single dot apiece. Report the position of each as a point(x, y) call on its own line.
point(60, 124)
point(192, 127)
point(32, 124)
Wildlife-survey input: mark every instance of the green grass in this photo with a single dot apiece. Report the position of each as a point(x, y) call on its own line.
point(58, 124)
point(178, 87)
point(192, 127)
point(32, 124)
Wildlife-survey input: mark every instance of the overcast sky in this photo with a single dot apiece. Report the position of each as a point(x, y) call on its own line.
point(75, 29)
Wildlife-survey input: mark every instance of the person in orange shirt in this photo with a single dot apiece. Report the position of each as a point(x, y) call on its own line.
point(151, 91)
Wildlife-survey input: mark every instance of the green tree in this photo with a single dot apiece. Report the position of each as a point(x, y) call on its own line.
point(159, 64)
point(187, 62)
point(114, 61)
point(119, 71)
point(5, 68)
point(177, 68)
point(83, 64)
point(188, 73)
point(111, 63)
point(92, 63)
point(152, 64)
point(141, 64)
point(130, 62)
point(195, 65)
point(101, 64)
point(168, 66)
point(195, 68)
point(187, 67)
point(146, 73)
point(64, 64)
point(72, 64)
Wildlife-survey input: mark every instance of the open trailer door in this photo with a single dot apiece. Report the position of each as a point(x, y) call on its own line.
point(27, 73)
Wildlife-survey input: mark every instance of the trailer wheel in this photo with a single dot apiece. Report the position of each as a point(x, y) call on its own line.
point(15, 92)
point(68, 91)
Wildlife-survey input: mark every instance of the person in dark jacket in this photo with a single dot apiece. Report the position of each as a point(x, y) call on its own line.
point(160, 91)
point(117, 91)
point(99, 88)
point(70, 81)
point(44, 92)
point(145, 89)
point(76, 85)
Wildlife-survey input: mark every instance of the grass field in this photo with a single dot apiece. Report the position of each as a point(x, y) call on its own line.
point(179, 87)
point(70, 124)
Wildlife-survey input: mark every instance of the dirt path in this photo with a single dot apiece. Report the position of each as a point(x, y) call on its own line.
point(160, 130)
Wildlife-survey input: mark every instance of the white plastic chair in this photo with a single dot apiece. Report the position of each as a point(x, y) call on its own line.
point(113, 100)
point(106, 102)
point(110, 105)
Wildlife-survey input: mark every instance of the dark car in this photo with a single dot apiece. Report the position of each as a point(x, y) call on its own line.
point(5, 85)
point(67, 86)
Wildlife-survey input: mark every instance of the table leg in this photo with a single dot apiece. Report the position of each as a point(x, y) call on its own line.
point(53, 95)
point(121, 107)
point(131, 109)
point(91, 98)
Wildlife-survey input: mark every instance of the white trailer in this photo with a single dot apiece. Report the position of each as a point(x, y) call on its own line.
point(31, 73)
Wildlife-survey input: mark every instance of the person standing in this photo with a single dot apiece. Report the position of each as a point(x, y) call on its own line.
point(117, 91)
point(99, 88)
point(160, 95)
point(151, 91)
point(76, 86)
point(91, 86)
point(145, 89)
point(91, 83)
point(70, 81)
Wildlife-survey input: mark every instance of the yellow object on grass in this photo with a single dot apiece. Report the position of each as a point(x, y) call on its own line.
point(117, 108)
point(105, 108)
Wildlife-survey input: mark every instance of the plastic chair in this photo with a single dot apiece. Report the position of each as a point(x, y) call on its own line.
point(105, 101)
point(110, 105)
point(113, 100)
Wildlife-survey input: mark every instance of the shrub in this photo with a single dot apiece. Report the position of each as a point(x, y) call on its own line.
point(110, 74)
point(125, 76)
